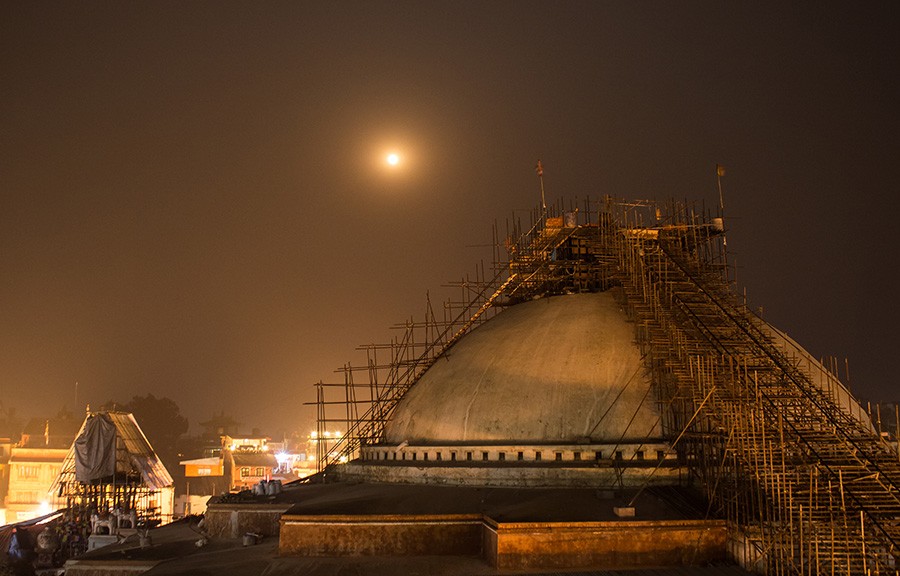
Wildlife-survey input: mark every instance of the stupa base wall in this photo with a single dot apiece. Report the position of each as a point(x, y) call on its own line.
point(508, 546)
point(514, 476)
point(379, 535)
point(234, 520)
point(613, 545)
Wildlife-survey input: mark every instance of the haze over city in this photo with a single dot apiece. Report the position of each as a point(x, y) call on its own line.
point(197, 201)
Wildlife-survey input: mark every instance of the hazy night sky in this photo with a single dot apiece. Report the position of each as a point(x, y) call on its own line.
point(194, 203)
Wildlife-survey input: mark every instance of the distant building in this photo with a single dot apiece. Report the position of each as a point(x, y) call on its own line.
point(6, 445)
point(10, 432)
point(248, 469)
point(321, 443)
point(219, 425)
point(31, 473)
point(247, 460)
point(204, 477)
point(245, 443)
point(34, 463)
point(242, 462)
point(204, 468)
point(57, 432)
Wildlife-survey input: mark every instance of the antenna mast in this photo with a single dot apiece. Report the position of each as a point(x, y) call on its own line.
point(720, 171)
point(540, 172)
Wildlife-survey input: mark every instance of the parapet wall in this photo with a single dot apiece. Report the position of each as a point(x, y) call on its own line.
point(381, 535)
point(563, 545)
point(508, 546)
point(512, 475)
point(235, 520)
point(622, 452)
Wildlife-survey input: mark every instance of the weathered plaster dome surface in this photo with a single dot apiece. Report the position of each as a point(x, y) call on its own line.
point(557, 369)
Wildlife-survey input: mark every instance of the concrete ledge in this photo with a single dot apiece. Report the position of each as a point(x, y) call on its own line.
point(108, 568)
point(508, 545)
point(514, 475)
point(627, 544)
point(381, 535)
point(234, 520)
point(629, 452)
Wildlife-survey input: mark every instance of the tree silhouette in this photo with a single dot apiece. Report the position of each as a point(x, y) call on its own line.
point(161, 421)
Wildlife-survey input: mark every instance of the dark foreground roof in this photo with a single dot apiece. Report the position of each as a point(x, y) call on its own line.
point(500, 504)
point(174, 553)
point(174, 550)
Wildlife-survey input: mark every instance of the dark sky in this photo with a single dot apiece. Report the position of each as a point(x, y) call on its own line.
point(194, 204)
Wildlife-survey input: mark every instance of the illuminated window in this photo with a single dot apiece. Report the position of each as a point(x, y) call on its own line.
point(245, 472)
point(23, 497)
point(29, 472)
point(260, 471)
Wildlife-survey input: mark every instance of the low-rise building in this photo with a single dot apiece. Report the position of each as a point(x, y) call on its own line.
point(247, 461)
point(249, 468)
point(34, 463)
point(31, 473)
point(204, 477)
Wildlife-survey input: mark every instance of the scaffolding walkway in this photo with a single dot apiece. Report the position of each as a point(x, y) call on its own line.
point(812, 487)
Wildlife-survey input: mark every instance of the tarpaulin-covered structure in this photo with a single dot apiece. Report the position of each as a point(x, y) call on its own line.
point(111, 447)
point(110, 467)
point(95, 449)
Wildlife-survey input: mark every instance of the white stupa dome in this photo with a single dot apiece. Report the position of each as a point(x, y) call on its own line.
point(562, 369)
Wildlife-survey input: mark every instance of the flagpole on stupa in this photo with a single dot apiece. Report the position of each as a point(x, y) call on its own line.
point(540, 172)
point(720, 171)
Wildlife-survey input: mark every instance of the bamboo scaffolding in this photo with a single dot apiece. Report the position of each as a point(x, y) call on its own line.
point(799, 472)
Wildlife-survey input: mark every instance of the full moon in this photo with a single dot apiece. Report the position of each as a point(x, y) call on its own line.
point(393, 159)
